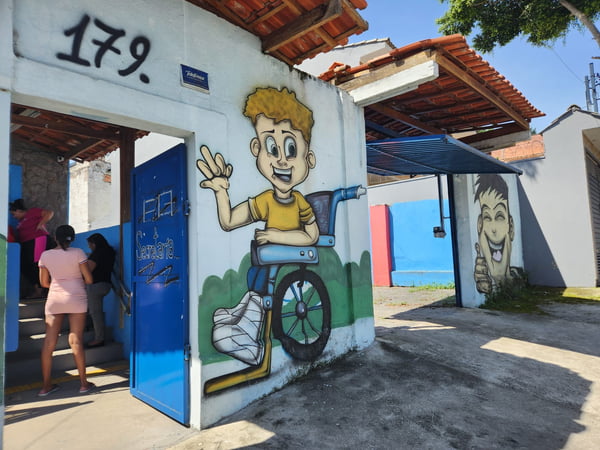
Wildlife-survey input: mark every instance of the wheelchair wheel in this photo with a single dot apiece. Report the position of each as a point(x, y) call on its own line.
point(302, 314)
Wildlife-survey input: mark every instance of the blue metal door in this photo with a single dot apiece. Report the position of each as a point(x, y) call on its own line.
point(160, 350)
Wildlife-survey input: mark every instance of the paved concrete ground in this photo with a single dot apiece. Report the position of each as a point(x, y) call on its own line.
point(437, 377)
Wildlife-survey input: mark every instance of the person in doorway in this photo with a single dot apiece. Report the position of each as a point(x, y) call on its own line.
point(34, 238)
point(100, 262)
point(283, 156)
point(65, 272)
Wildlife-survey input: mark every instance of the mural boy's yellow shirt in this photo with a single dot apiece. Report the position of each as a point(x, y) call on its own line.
point(281, 216)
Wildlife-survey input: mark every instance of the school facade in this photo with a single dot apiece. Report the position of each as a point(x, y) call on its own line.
point(220, 314)
point(257, 136)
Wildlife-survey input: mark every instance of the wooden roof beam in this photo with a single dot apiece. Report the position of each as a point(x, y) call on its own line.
point(474, 105)
point(309, 21)
point(356, 17)
point(458, 72)
point(81, 148)
point(374, 126)
point(292, 6)
point(450, 93)
point(401, 117)
point(496, 132)
point(63, 128)
point(255, 20)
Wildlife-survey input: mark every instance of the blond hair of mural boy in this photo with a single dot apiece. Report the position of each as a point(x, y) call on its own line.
point(283, 156)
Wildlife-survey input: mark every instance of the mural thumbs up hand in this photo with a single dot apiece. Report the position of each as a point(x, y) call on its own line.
point(483, 280)
point(215, 170)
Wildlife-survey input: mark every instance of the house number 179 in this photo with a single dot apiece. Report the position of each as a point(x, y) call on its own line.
point(138, 48)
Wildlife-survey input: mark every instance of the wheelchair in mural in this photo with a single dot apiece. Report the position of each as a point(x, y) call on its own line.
point(297, 307)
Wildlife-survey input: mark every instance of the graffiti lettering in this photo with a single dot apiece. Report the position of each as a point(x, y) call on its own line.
point(166, 271)
point(139, 47)
point(163, 204)
point(155, 251)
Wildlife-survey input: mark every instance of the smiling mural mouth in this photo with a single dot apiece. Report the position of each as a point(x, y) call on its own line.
point(284, 175)
point(496, 250)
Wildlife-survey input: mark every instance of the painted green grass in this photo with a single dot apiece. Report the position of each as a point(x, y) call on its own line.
point(348, 285)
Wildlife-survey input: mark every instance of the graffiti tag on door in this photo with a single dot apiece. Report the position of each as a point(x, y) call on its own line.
point(163, 204)
point(156, 252)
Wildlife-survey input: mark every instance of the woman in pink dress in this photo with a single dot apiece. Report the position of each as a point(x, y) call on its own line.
point(65, 271)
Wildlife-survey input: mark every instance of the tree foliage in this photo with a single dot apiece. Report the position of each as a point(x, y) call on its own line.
point(497, 22)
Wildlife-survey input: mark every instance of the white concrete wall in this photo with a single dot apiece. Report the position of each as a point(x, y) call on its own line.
point(79, 197)
point(183, 34)
point(6, 69)
point(557, 235)
point(5, 99)
point(352, 55)
point(411, 190)
point(91, 203)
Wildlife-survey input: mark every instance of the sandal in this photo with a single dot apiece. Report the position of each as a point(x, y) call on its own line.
point(87, 389)
point(54, 388)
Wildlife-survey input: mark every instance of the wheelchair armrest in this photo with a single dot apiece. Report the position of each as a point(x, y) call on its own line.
point(325, 240)
point(269, 254)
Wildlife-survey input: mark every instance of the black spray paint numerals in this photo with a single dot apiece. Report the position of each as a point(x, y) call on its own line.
point(139, 48)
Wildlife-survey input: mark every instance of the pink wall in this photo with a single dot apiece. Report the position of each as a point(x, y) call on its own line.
point(380, 245)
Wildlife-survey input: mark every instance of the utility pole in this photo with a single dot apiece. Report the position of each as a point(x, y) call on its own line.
point(591, 94)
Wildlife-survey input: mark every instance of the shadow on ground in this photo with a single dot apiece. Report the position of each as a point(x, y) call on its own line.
point(439, 377)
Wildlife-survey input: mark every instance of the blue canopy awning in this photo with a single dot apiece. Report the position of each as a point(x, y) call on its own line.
point(426, 155)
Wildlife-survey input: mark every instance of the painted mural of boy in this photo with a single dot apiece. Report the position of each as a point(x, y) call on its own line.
point(281, 147)
point(496, 230)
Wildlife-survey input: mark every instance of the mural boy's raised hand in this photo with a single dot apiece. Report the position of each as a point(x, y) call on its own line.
point(215, 170)
point(217, 173)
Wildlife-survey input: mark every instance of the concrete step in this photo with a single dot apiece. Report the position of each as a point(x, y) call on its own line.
point(32, 344)
point(22, 366)
point(35, 325)
point(29, 309)
point(26, 370)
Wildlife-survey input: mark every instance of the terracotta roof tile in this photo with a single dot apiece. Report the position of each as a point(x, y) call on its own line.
point(468, 95)
point(293, 30)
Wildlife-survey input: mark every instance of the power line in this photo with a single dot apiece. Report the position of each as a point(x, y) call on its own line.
point(566, 65)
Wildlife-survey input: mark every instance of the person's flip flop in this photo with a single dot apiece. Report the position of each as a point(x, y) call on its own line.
point(54, 388)
point(88, 389)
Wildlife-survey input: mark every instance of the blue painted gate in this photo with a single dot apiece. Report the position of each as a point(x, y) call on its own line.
point(160, 344)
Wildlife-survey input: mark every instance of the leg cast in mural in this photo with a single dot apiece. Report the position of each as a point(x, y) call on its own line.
point(236, 331)
point(293, 225)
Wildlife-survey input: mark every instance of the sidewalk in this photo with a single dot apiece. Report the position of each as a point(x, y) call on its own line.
point(107, 418)
point(436, 377)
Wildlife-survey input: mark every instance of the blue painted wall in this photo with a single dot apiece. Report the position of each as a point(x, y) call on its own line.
point(418, 258)
point(15, 177)
point(15, 181)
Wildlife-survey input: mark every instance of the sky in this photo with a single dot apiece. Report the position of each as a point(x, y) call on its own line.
point(552, 79)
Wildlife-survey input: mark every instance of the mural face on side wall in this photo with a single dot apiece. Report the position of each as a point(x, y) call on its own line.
point(296, 307)
point(496, 231)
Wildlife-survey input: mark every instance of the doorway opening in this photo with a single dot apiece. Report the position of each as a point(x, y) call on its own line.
point(78, 168)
